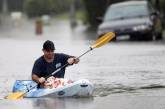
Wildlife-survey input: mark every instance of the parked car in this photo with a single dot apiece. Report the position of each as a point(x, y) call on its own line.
point(138, 19)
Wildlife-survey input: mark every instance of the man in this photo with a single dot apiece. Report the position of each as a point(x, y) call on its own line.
point(49, 62)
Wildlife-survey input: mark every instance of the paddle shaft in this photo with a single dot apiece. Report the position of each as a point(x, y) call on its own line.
point(58, 69)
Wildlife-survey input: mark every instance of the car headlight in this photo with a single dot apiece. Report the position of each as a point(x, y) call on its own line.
point(140, 27)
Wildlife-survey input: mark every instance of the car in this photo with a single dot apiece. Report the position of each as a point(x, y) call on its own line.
point(138, 19)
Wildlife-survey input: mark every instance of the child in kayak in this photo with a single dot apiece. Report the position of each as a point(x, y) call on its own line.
point(49, 62)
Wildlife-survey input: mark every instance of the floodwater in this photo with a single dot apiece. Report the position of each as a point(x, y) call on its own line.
point(126, 75)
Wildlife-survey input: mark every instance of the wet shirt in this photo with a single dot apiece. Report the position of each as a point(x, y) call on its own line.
point(42, 68)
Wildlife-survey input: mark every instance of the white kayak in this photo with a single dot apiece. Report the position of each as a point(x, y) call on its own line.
point(80, 88)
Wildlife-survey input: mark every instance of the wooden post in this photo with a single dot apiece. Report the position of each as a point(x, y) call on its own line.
point(38, 27)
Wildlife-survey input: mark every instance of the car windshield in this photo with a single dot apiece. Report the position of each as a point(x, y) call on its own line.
point(127, 11)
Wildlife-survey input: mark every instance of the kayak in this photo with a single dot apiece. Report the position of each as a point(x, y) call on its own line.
point(80, 88)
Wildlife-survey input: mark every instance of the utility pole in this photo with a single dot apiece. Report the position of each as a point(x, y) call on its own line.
point(157, 5)
point(73, 22)
point(4, 18)
point(4, 7)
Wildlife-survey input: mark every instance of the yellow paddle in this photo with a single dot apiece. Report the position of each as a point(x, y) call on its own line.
point(15, 95)
point(103, 40)
point(99, 42)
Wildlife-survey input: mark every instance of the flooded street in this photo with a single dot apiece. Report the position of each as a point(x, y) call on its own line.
point(126, 75)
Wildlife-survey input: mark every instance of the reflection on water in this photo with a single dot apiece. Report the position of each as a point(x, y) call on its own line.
point(62, 103)
point(48, 103)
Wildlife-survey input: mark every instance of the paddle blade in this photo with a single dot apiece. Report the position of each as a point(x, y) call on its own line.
point(103, 40)
point(15, 96)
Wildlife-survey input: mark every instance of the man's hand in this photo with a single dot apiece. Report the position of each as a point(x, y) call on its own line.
point(41, 80)
point(73, 61)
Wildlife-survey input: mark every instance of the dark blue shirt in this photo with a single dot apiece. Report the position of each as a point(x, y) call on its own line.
point(42, 68)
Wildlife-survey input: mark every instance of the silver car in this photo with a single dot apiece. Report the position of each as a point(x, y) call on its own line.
point(138, 19)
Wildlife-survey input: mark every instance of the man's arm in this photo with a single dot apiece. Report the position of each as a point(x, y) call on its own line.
point(37, 79)
point(73, 60)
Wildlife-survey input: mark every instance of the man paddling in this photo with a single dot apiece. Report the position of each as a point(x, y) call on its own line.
point(49, 62)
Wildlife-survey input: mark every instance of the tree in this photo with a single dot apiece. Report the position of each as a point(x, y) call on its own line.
point(96, 9)
point(35, 8)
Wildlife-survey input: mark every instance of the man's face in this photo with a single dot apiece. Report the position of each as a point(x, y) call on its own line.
point(48, 54)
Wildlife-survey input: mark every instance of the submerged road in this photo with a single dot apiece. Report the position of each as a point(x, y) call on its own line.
point(125, 74)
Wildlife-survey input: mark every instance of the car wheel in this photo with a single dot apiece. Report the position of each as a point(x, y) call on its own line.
point(114, 39)
point(159, 36)
point(133, 37)
point(150, 36)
